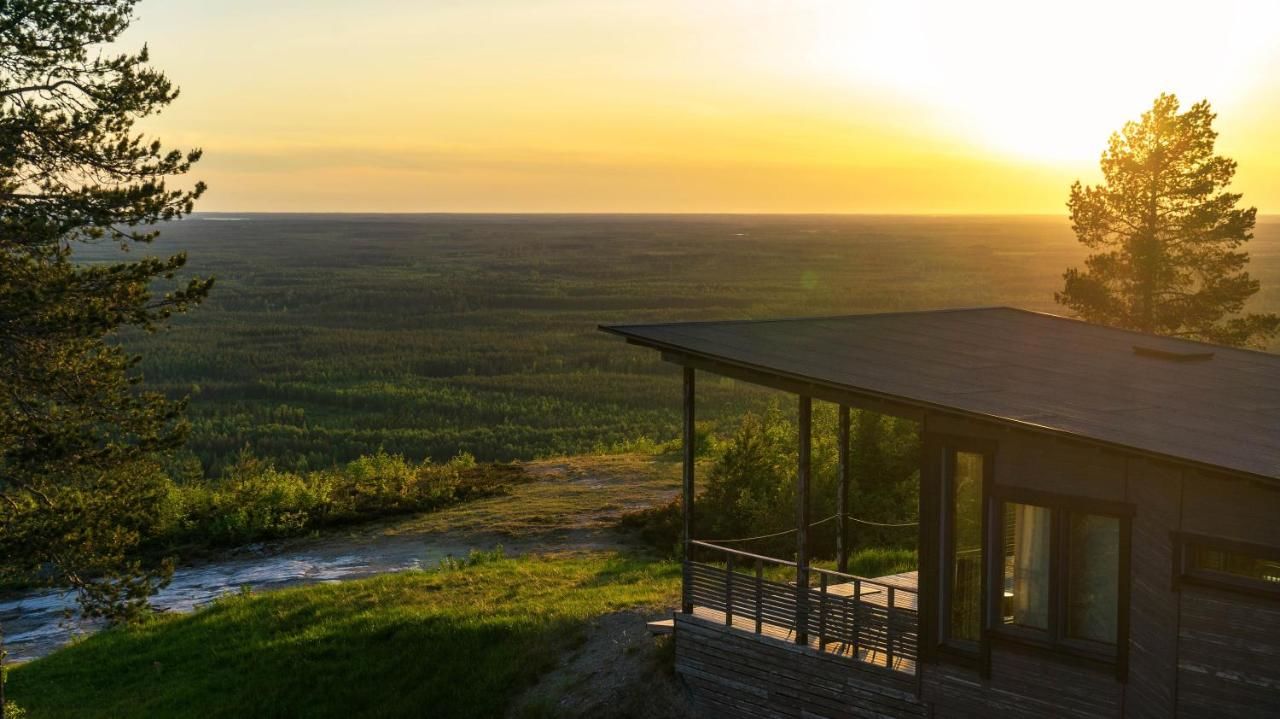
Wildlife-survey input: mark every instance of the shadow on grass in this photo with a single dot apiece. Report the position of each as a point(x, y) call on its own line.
point(444, 644)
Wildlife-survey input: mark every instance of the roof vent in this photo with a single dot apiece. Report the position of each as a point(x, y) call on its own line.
point(1173, 355)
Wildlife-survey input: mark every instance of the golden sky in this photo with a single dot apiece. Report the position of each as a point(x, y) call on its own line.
point(694, 105)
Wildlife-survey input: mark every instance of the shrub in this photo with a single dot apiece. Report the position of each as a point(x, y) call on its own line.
point(750, 488)
point(255, 501)
point(474, 558)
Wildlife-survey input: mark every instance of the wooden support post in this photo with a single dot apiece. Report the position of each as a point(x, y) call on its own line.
point(690, 453)
point(842, 495)
point(802, 521)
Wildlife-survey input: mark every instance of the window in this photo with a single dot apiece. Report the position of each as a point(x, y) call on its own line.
point(1060, 574)
point(962, 551)
point(1026, 566)
point(1228, 564)
point(1093, 578)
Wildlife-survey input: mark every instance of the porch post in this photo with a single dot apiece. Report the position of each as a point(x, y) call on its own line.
point(686, 602)
point(802, 522)
point(842, 494)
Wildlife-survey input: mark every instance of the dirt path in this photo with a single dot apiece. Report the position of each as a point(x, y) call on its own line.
point(619, 671)
point(571, 505)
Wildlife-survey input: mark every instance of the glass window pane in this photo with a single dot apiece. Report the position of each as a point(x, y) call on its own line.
point(1093, 577)
point(1235, 563)
point(965, 620)
point(1026, 565)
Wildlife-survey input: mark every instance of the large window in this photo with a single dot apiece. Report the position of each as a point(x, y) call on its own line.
point(1061, 574)
point(962, 549)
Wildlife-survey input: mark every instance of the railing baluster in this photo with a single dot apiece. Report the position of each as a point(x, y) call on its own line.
point(888, 631)
point(802, 607)
point(759, 596)
point(844, 620)
point(857, 614)
point(728, 592)
point(822, 614)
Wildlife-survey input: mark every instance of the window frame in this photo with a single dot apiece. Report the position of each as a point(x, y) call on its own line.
point(1185, 573)
point(945, 448)
point(1055, 639)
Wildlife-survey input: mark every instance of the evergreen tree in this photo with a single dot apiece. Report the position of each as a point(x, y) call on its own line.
point(1167, 235)
point(79, 440)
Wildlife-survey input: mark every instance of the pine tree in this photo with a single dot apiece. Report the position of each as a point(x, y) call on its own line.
point(1167, 235)
point(79, 440)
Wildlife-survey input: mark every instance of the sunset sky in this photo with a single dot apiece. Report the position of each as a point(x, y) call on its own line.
point(694, 106)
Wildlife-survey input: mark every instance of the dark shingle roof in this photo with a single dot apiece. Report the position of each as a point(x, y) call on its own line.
point(1024, 368)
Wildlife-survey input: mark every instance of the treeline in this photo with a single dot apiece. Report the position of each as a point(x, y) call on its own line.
point(328, 337)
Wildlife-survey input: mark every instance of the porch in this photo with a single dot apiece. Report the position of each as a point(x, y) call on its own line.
point(872, 621)
point(793, 633)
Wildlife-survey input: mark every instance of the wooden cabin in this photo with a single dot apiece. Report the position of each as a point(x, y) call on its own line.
point(1099, 525)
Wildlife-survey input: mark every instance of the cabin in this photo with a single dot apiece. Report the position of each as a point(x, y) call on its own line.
point(1098, 535)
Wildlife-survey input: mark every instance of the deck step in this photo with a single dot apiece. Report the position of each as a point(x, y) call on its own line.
point(662, 626)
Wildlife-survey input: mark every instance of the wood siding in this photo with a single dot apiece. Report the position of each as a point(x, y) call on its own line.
point(1022, 684)
point(1025, 681)
point(1228, 654)
point(735, 674)
point(1155, 490)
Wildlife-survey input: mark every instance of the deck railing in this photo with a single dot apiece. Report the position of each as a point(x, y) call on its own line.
point(864, 619)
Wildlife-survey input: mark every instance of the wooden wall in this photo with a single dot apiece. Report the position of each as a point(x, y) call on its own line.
point(1027, 682)
point(1193, 651)
point(736, 674)
point(1228, 656)
point(1155, 490)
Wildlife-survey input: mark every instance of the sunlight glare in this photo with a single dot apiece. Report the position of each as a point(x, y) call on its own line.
point(1044, 82)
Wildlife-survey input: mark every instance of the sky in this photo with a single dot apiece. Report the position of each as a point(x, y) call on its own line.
point(902, 106)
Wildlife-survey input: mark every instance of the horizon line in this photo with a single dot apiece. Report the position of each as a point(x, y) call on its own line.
point(606, 213)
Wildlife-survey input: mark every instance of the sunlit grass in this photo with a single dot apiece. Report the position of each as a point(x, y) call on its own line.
point(449, 642)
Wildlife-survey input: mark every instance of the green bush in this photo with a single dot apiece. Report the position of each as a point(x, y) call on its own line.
point(255, 501)
point(750, 488)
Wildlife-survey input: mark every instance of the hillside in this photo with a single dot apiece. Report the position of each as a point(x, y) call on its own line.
point(457, 641)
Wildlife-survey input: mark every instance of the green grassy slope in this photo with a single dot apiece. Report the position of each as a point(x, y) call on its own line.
point(445, 643)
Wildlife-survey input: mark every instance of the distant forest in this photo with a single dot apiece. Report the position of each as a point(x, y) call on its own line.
point(329, 337)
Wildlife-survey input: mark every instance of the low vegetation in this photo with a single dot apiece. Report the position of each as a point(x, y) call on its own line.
point(256, 501)
point(748, 491)
point(463, 640)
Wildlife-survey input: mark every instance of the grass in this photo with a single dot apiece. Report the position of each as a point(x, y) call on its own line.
point(458, 641)
point(869, 562)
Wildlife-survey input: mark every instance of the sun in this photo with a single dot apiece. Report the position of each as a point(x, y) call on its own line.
point(1043, 82)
